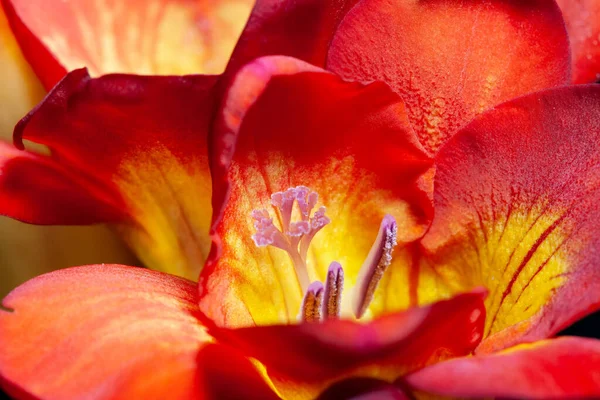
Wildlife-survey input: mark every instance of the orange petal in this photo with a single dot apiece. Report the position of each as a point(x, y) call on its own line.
point(115, 331)
point(451, 60)
point(161, 37)
point(293, 124)
point(140, 141)
point(564, 368)
point(516, 192)
point(311, 356)
point(583, 24)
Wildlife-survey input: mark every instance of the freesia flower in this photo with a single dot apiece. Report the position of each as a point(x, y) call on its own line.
point(356, 226)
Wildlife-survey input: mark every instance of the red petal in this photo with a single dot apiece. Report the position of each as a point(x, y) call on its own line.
point(293, 124)
point(226, 374)
point(115, 331)
point(312, 353)
point(451, 60)
point(302, 29)
point(68, 197)
point(515, 196)
point(144, 37)
point(583, 24)
point(143, 141)
point(564, 368)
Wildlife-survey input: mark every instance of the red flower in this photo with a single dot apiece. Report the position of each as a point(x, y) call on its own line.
point(433, 189)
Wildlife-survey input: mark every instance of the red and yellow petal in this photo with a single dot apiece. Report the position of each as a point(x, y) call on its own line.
point(115, 331)
point(293, 124)
point(139, 140)
point(515, 199)
point(564, 368)
point(161, 37)
point(451, 60)
point(302, 360)
point(582, 18)
point(301, 29)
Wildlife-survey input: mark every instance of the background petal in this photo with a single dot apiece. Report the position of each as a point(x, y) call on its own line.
point(293, 124)
point(143, 37)
point(515, 196)
point(312, 356)
point(583, 24)
point(564, 368)
point(450, 60)
point(301, 29)
point(20, 89)
point(114, 331)
point(99, 129)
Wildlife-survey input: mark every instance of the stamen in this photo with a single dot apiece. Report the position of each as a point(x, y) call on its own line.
point(334, 285)
point(312, 303)
point(379, 258)
point(295, 236)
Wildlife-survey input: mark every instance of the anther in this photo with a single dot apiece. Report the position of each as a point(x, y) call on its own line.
point(379, 258)
point(334, 285)
point(312, 304)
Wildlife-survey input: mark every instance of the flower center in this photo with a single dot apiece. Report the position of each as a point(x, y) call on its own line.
point(321, 301)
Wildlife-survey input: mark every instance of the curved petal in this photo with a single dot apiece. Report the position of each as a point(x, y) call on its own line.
point(514, 199)
point(583, 24)
point(313, 355)
point(100, 131)
point(451, 60)
point(302, 29)
point(293, 124)
point(115, 331)
point(68, 197)
point(564, 368)
point(144, 37)
point(237, 378)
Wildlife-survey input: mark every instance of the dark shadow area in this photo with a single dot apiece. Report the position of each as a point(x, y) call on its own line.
point(586, 327)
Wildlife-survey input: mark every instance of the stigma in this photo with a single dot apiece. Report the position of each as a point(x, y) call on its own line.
point(321, 300)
